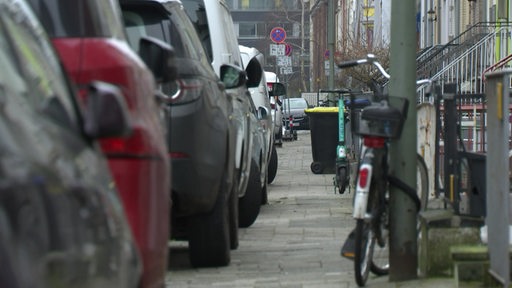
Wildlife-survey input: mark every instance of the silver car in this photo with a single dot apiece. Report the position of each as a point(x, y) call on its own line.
point(295, 107)
point(276, 110)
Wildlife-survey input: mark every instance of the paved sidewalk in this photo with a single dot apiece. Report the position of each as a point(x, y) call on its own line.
point(296, 240)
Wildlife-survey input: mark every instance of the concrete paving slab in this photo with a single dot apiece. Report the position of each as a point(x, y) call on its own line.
point(296, 239)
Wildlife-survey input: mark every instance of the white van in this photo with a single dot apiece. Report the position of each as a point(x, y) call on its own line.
point(261, 98)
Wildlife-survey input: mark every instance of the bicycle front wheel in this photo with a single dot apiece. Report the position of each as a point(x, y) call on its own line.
point(364, 244)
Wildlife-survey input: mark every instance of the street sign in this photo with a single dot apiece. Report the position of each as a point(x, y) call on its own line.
point(327, 53)
point(278, 35)
point(286, 70)
point(284, 61)
point(287, 49)
point(277, 50)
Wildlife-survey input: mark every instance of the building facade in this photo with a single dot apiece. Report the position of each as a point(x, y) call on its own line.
point(255, 20)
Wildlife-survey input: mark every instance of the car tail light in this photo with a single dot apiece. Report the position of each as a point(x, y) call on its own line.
point(190, 90)
point(363, 177)
point(138, 144)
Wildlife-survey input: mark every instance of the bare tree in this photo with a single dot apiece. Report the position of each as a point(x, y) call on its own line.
point(363, 76)
point(356, 43)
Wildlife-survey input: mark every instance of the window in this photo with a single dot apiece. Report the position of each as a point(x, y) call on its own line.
point(264, 4)
point(246, 29)
point(143, 21)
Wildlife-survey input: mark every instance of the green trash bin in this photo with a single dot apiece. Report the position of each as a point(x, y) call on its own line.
point(323, 124)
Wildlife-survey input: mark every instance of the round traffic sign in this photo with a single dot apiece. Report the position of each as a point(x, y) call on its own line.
point(278, 35)
point(287, 49)
point(327, 54)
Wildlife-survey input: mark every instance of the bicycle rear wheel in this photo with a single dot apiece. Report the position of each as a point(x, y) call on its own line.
point(371, 238)
point(380, 259)
point(364, 244)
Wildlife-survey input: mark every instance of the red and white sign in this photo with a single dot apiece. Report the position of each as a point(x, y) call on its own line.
point(278, 35)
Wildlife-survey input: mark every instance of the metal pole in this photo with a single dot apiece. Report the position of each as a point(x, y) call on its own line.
point(403, 248)
point(330, 42)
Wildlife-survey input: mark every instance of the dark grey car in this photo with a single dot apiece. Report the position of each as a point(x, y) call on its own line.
point(62, 223)
point(200, 134)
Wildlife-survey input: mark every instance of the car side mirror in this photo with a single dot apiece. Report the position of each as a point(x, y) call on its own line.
point(160, 59)
point(254, 73)
point(232, 76)
point(106, 112)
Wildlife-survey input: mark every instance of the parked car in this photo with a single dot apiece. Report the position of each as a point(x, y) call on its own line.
point(90, 38)
point(277, 110)
point(261, 99)
point(61, 220)
point(200, 132)
point(214, 25)
point(250, 203)
point(295, 107)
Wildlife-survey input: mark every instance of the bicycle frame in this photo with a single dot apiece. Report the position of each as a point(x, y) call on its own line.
point(373, 160)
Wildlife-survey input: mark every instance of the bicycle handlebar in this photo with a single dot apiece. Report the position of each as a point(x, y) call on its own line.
point(371, 59)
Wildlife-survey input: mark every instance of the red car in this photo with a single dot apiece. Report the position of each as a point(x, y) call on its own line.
point(90, 38)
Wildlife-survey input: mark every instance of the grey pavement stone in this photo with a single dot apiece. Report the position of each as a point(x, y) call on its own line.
point(296, 240)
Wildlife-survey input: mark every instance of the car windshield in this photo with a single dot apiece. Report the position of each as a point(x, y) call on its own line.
point(295, 103)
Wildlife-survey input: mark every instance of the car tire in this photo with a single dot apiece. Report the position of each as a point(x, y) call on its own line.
point(10, 275)
point(278, 138)
point(233, 216)
point(272, 166)
point(249, 205)
point(24, 225)
point(209, 242)
point(264, 193)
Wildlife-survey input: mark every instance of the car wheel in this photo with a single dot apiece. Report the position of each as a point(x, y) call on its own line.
point(24, 225)
point(10, 275)
point(278, 138)
point(264, 194)
point(26, 208)
point(249, 205)
point(209, 242)
point(272, 166)
point(233, 216)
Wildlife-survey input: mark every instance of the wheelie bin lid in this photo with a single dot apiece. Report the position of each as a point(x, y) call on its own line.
point(321, 110)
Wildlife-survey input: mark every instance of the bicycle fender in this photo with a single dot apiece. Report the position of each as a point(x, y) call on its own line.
point(361, 196)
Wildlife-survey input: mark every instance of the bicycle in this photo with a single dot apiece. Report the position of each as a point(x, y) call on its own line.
point(377, 125)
